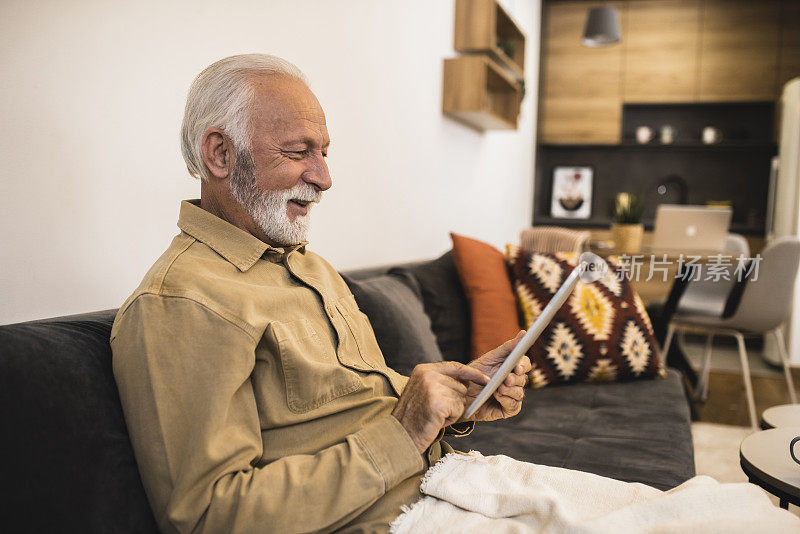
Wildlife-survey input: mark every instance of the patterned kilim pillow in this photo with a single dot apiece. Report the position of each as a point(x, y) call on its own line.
point(602, 333)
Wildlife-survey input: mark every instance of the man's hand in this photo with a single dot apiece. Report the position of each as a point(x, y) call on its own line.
point(437, 394)
point(435, 397)
point(507, 400)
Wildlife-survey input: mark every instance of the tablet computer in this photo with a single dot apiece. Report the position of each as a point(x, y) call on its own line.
point(590, 268)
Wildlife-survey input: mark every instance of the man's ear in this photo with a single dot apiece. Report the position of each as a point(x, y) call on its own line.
point(217, 152)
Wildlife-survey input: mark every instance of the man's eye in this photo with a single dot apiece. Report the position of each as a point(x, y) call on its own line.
point(298, 154)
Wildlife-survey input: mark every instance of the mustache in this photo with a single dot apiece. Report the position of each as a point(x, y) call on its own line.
point(302, 191)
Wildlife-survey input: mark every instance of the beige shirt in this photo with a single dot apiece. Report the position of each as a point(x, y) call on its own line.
point(255, 394)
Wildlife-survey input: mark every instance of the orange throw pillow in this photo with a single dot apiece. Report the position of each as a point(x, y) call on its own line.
point(493, 306)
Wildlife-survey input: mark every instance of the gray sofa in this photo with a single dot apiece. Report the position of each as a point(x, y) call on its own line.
point(69, 466)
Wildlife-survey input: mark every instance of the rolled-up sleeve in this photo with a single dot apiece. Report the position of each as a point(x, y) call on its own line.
point(184, 378)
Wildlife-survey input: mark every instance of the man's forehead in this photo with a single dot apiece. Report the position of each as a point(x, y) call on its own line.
point(289, 108)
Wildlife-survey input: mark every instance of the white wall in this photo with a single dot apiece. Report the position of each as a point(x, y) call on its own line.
point(92, 98)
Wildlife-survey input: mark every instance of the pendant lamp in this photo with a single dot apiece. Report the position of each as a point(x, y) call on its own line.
point(602, 27)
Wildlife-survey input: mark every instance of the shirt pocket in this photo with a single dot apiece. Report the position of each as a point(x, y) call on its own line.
point(360, 329)
point(312, 374)
point(370, 357)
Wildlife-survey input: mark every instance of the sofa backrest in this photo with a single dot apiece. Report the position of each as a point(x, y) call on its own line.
point(69, 465)
point(445, 303)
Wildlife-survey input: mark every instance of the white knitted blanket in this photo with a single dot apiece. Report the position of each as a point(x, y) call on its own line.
point(497, 494)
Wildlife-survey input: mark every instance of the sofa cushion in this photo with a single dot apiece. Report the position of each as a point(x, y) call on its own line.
point(397, 316)
point(445, 304)
point(493, 310)
point(69, 465)
point(601, 333)
point(632, 431)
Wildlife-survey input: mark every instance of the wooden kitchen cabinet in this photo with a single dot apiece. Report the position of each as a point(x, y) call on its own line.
point(661, 51)
point(739, 50)
point(672, 51)
point(581, 91)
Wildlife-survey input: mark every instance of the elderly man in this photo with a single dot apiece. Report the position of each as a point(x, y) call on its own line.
point(254, 391)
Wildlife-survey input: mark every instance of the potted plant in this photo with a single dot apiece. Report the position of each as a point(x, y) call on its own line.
point(627, 228)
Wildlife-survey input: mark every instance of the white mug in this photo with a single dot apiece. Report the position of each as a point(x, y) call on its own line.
point(667, 134)
point(711, 135)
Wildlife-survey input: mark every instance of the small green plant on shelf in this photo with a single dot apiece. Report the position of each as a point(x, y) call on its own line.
point(628, 209)
point(507, 47)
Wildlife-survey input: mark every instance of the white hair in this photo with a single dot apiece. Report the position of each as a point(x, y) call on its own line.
point(219, 98)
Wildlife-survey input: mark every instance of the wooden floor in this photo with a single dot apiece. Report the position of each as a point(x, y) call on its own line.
point(727, 403)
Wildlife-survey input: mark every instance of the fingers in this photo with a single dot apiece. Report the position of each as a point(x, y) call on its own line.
point(509, 405)
point(524, 366)
point(520, 375)
point(447, 396)
point(515, 393)
point(443, 384)
point(510, 399)
point(453, 384)
point(448, 402)
point(509, 345)
point(456, 410)
point(500, 353)
point(514, 379)
point(511, 393)
point(434, 397)
point(451, 388)
point(437, 393)
point(462, 372)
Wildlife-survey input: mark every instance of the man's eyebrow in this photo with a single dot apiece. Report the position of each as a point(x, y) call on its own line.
point(304, 141)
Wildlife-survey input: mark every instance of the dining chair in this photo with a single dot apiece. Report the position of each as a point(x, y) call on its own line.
point(708, 295)
point(764, 306)
point(550, 239)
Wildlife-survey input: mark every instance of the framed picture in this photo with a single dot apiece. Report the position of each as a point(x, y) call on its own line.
point(572, 192)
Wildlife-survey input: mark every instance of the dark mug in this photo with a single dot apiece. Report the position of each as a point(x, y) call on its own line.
point(791, 449)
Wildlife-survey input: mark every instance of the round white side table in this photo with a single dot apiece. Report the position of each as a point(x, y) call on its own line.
point(765, 460)
point(778, 416)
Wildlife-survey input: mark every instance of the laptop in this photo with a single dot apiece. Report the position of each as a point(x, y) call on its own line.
point(690, 229)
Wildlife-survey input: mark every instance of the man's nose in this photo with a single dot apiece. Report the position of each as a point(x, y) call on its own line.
point(317, 174)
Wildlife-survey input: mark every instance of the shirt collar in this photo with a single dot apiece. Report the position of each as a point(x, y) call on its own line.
point(232, 243)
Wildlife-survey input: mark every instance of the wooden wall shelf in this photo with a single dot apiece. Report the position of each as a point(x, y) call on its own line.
point(484, 26)
point(605, 222)
point(625, 144)
point(744, 145)
point(480, 94)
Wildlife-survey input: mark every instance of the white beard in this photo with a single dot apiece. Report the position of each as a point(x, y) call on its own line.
point(268, 208)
